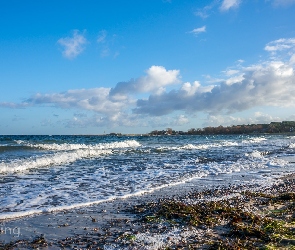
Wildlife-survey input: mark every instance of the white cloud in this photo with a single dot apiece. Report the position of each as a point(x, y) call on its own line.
point(292, 59)
point(155, 81)
point(189, 89)
point(109, 111)
point(96, 99)
point(270, 83)
point(229, 4)
point(265, 118)
point(229, 120)
point(102, 36)
point(180, 120)
point(202, 13)
point(284, 3)
point(73, 46)
point(198, 30)
point(280, 45)
point(234, 79)
point(113, 105)
point(107, 44)
point(205, 12)
point(13, 105)
point(231, 72)
point(224, 120)
point(110, 121)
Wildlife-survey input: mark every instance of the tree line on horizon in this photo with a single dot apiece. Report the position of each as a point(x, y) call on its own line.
point(273, 127)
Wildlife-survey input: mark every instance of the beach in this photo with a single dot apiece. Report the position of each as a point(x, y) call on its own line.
point(178, 192)
point(143, 222)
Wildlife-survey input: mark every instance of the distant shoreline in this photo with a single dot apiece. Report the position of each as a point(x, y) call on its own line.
point(271, 128)
point(284, 127)
point(136, 135)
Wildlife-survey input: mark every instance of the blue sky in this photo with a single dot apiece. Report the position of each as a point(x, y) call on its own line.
point(94, 67)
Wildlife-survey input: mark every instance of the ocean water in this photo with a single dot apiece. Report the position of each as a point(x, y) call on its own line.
point(49, 173)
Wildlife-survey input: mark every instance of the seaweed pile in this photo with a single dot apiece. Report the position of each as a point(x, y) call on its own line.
point(250, 220)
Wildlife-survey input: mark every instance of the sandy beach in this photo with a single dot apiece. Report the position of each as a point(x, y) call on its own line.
point(232, 212)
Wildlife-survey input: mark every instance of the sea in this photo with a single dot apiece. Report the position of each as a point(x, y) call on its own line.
point(42, 173)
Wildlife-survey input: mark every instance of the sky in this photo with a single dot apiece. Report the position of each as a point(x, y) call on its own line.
point(95, 67)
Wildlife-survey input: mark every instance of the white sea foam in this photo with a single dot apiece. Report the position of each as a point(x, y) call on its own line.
point(143, 182)
point(159, 240)
point(100, 146)
point(277, 163)
point(88, 178)
point(206, 146)
point(152, 240)
point(66, 153)
point(191, 146)
point(255, 140)
point(19, 141)
point(49, 209)
point(254, 154)
point(229, 144)
point(50, 159)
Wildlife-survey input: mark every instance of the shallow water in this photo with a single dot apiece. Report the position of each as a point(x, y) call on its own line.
point(48, 173)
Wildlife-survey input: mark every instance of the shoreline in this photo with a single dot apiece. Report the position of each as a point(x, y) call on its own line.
point(131, 223)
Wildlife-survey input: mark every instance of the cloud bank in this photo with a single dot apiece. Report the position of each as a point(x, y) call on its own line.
point(156, 79)
point(267, 83)
point(96, 99)
point(111, 104)
point(280, 45)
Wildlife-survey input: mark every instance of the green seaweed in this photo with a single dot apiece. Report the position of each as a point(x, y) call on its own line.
point(247, 229)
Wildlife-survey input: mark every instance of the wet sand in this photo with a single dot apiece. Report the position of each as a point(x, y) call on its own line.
point(134, 223)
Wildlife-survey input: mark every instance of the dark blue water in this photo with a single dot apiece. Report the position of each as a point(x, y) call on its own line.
point(47, 173)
